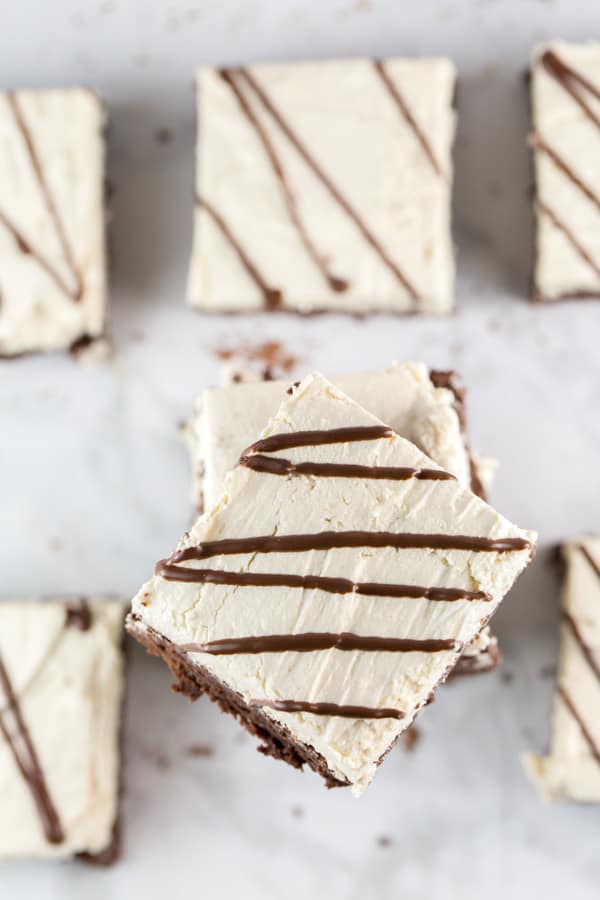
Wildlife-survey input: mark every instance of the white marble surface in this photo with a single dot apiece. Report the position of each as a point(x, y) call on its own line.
point(94, 482)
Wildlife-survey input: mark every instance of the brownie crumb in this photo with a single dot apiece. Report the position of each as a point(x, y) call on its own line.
point(271, 356)
point(200, 751)
point(411, 738)
point(384, 841)
point(547, 672)
point(163, 136)
point(507, 677)
point(297, 811)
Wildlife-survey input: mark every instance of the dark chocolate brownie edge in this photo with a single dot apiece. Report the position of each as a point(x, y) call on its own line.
point(192, 681)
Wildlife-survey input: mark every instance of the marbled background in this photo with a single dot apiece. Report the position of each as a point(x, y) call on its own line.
point(94, 482)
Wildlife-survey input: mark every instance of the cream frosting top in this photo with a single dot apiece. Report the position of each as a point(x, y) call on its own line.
point(228, 419)
point(379, 140)
point(68, 684)
point(567, 168)
point(254, 503)
point(52, 254)
point(572, 768)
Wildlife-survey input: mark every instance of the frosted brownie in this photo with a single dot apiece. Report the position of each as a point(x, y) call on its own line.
point(572, 768)
point(61, 687)
point(426, 407)
point(325, 186)
point(565, 89)
point(52, 248)
point(331, 588)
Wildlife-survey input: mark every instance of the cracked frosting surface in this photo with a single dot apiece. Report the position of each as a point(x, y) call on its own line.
point(365, 227)
point(68, 684)
point(52, 253)
point(254, 503)
point(571, 770)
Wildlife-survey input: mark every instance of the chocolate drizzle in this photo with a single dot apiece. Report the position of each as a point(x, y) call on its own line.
point(24, 245)
point(272, 296)
point(315, 582)
point(336, 284)
point(331, 709)
point(312, 641)
point(569, 235)
point(287, 440)
point(402, 105)
point(27, 761)
point(538, 143)
point(584, 646)
point(595, 749)
point(592, 562)
point(274, 465)
point(571, 80)
point(330, 540)
point(333, 191)
point(79, 615)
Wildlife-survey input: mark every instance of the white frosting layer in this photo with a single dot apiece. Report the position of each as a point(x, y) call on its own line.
point(344, 115)
point(565, 128)
point(228, 419)
point(65, 128)
point(572, 768)
point(69, 686)
point(259, 504)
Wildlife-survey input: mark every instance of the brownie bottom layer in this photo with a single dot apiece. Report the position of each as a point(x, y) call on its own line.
point(193, 680)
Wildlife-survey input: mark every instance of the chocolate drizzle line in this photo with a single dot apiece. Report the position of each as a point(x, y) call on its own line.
point(287, 440)
point(572, 239)
point(316, 582)
point(311, 641)
point(538, 144)
point(331, 709)
point(569, 79)
point(326, 181)
point(329, 540)
point(79, 615)
point(400, 102)
point(28, 763)
point(584, 729)
point(26, 248)
point(336, 284)
point(48, 200)
point(585, 647)
point(586, 553)
point(274, 465)
point(272, 296)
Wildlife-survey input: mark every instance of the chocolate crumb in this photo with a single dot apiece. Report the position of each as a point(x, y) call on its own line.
point(547, 672)
point(506, 677)
point(274, 357)
point(78, 615)
point(297, 811)
point(200, 751)
point(55, 544)
point(411, 738)
point(384, 841)
point(163, 136)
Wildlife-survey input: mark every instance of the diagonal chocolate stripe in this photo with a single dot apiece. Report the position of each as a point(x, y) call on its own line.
point(571, 238)
point(313, 641)
point(329, 540)
point(274, 465)
point(569, 79)
point(327, 182)
point(46, 193)
point(26, 248)
point(315, 582)
point(336, 284)
point(584, 646)
point(331, 709)
point(588, 556)
point(28, 763)
point(594, 748)
point(272, 296)
point(287, 440)
point(539, 144)
point(394, 92)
